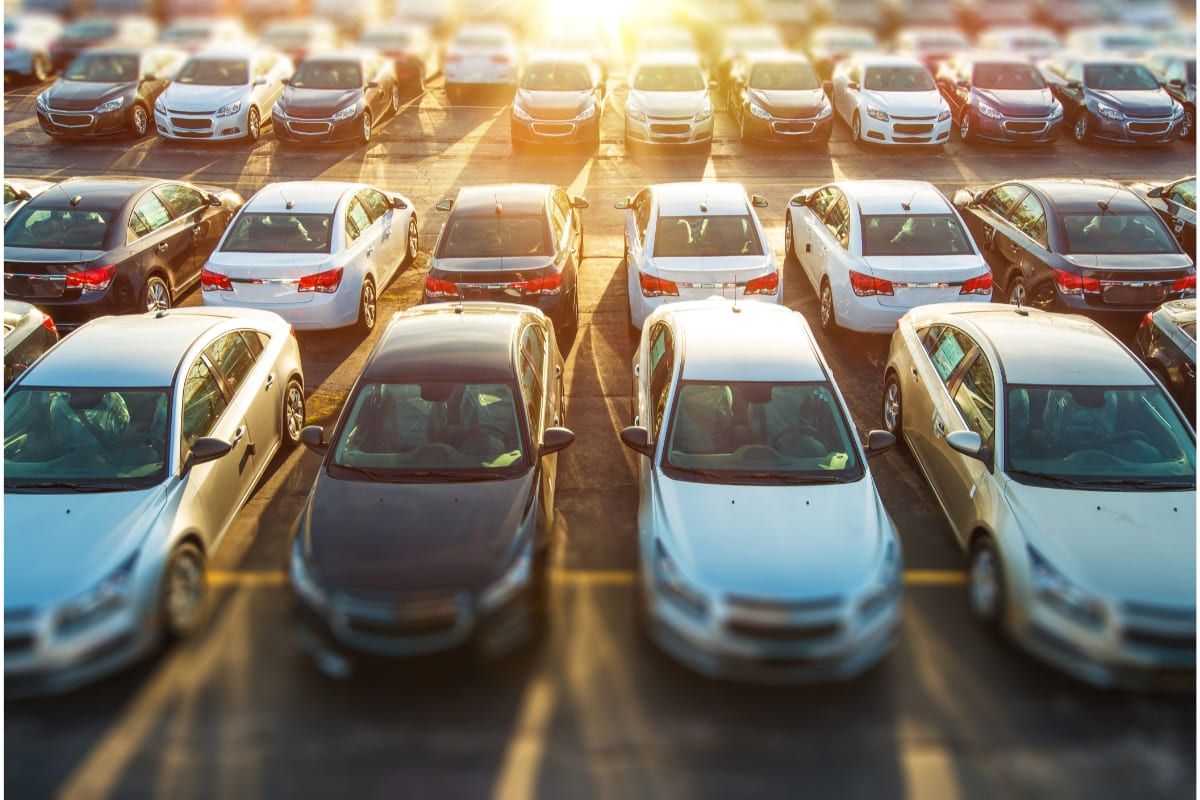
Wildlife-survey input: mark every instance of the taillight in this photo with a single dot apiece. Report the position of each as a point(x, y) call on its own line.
point(327, 281)
point(1147, 321)
point(980, 284)
point(499, 58)
point(48, 323)
point(767, 284)
point(653, 286)
point(214, 281)
point(95, 279)
point(452, 58)
point(440, 288)
point(1072, 283)
point(9, 44)
point(1185, 284)
point(868, 285)
point(547, 284)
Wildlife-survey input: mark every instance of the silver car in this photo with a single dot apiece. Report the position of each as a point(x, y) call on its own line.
point(1068, 475)
point(764, 551)
point(128, 449)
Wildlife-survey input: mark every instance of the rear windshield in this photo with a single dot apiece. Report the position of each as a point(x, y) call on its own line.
point(54, 229)
point(496, 237)
point(786, 76)
point(914, 235)
point(480, 42)
point(706, 236)
point(90, 30)
point(898, 79)
point(1008, 76)
point(549, 76)
point(668, 78)
point(1117, 233)
point(288, 37)
point(103, 68)
point(1119, 77)
point(215, 72)
point(279, 233)
point(328, 75)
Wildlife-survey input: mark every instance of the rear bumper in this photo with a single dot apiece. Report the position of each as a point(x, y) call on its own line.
point(868, 315)
point(322, 312)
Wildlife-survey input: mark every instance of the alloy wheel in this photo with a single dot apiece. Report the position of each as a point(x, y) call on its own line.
point(368, 306)
point(964, 130)
point(413, 245)
point(158, 296)
point(1016, 293)
point(983, 584)
point(395, 99)
point(184, 600)
point(856, 129)
point(140, 121)
point(294, 411)
point(826, 306)
point(891, 406)
point(253, 125)
point(788, 237)
point(1081, 127)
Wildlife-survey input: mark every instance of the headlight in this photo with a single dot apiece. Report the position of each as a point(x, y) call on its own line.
point(985, 110)
point(1056, 111)
point(1060, 594)
point(511, 583)
point(1177, 111)
point(303, 584)
point(637, 114)
point(945, 115)
point(1108, 111)
point(703, 114)
point(587, 113)
point(42, 102)
point(521, 113)
point(346, 113)
point(759, 112)
point(229, 110)
point(160, 106)
point(107, 596)
point(111, 105)
point(875, 113)
point(825, 112)
point(887, 583)
point(671, 582)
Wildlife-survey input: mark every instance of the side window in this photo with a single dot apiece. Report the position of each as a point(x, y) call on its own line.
point(203, 403)
point(233, 359)
point(1001, 198)
point(1183, 193)
point(374, 201)
point(838, 221)
point(929, 337)
point(256, 341)
point(181, 199)
point(148, 216)
point(357, 220)
point(1073, 71)
point(641, 213)
point(1030, 218)
point(821, 202)
point(976, 398)
point(533, 364)
point(558, 222)
point(662, 354)
point(948, 352)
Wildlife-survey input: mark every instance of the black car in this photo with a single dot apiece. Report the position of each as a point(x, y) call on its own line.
point(559, 100)
point(1000, 99)
point(28, 332)
point(1166, 341)
point(107, 91)
point(1176, 71)
point(429, 525)
point(1176, 204)
point(96, 246)
point(1086, 247)
point(778, 97)
point(336, 98)
point(514, 243)
point(1113, 99)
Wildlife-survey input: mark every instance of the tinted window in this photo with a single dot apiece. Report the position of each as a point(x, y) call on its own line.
point(641, 213)
point(328, 75)
point(103, 68)
point(661, 366)
point(913, 234)
point(203, 403)
point(357, 220)
point(704, 236)
point(837, 221)
point(1008, 76)
point(376, 204)
point(788, 75)
point(1117, 233)
point(279, 233)
point(1000, 198)
point(495, 236)
point(232, 358)
point(898, 79)
point(1118, 77)
point(549, 76)
point(821, 201)
point(53, 228)
point(669, 78)
point(181, 199)
point(976, 398)
point(1029, 217)
point(948, 351)
point(149, 215)
point(533, 364)
point(215, 72)
point(1184, 193)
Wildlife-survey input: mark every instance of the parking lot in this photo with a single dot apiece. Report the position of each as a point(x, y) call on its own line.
point(592, 710)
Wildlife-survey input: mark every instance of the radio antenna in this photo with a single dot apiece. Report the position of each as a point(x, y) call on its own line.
point(288, 204)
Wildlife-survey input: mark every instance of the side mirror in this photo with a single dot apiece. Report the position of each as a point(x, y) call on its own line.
point(445, 204)
point(798, 200)
point(372, 85)
point(622, 203)
point(758, 201)
point(206, 449)
point(1176, 82)
point(637, 439)
point(214, 201)
point(579, 202)
point(879, 441)
point(976, 199)
point(1076, 85)
point(555, 439)
point(1155, 191)
point(827, 87)
point(968, 443)
point(851, 84)
point(313, 437)
point(259, 82)
point(398, 203)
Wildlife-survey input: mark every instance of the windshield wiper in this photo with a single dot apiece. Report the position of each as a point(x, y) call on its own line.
point(410, 475)
point(373, 474)
point(1141, 483)
point(76, 486)
point(1049, 477)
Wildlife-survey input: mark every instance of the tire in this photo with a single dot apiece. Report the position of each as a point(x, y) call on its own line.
point(965, 132)
point(789, 240)
point(856, 129)
point(413, 246)
point(893, 407)
point(986, 597)
point(826, 310)
point(183, 596)
point(1082, 129)
point(293, 410)
point(40, 68)
point(1188, 130)
point(1016, 293)
point(139, 121)
point(253, 125)
point(368, 308)
point(156, 294)
point(368, 125)
point(395, 103)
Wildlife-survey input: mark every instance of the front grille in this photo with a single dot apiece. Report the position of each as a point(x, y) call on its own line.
point(374, 627)
point(553, 129)
point(1160, 640)
point(1025, 127)
point(309, 127)
point(191, 124)
point(794, 127)
point(670, 129)
point(921, 119)
point(187, 111)
point(742, 603)
point(194, 134)
point(72, 120)
point(912, 129)
point(1149, 127)
point(783, 632)
point(1170, 613)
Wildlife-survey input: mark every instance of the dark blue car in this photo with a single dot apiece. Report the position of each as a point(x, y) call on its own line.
point(1000, 98)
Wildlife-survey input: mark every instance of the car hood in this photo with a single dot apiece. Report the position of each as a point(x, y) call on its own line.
point(198, 98)
point(567, 105)
point(669, 104)
point(1139, 103)
point(57, 546)
point(1126, 546)
point(84, 95)
point(773, 541)
point(789, 104)
point(367, 537)
point(1018, 102)
point(317, 102)
point(906, 104)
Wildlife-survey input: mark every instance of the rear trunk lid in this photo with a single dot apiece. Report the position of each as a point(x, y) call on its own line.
point(266, 278)
point(920, 280)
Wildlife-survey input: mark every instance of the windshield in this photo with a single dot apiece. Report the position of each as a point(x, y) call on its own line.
point(279, 233)
point(1102, 234)
point(1093, 436)
point(1008, 76)
point(669, 78)
point(914, 235)
point(399, 430)
point(1119, 77)
point(701, 236)
point(549, 76)
point(898, 79)
point(187, 33)
point(496, 237)
point(87, 439)
point(328, 75)
point(1126, 42)
point(287, 37)
point(480, 42)
point(783, 77)
point(759, 433)
point(215, 72)
point(82, 31)
point(103, 68)
point(57, 229)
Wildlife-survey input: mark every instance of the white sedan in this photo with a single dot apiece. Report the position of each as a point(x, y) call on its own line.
point(480, 56)
point(222, 94)
point(315, 252)
point(890, 100)
point(692, 241)
point(874, 249)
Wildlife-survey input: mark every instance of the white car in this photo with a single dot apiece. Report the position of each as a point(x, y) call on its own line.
point(874, 249)
point(1155, 14)
point(222, 94)
point(693, 241)
point(1030, 41)
point(198, 33)
point(19, 191)
point(27, 40)
point(668, 101)
point(315, 252)
point(890, 100)
point(664, 39)
point(930, 44)
point(764, 550)
point(480, 56)
point(1112, 39)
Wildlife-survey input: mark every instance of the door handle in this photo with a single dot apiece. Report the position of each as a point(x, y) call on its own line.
point(197, 230)
point(238, 434)
point(916, 375)
point(162, 248)
point(270, 380)
point(371, 250)
point(808, 247)
point(939, 427)
point(387, 231)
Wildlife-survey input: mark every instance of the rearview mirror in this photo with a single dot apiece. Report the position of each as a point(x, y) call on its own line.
point(621, 203)
point(968, 443)
point(206, 449)
point(313, 437)
point(758, 201)
point(445, 204)
point(637, 439)
point(879, 441)
point(555, 439)
point(579, 202)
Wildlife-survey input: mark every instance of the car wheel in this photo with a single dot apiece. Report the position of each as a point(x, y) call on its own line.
point(1188, 129)
point(367, 125)
point(856, 129)
point(395, 103)
point(1083, 127)
point(367, 307)
point(41, 68)
point(253, 125)
point(1017, 294)
point(789, 239)
point(410, 255)
point(139, 121)
point(893, 409)
point(293, 413)
point(985, 583)
point(184, 596)
point(828, 313)
point(156, 295)
point(964, 128)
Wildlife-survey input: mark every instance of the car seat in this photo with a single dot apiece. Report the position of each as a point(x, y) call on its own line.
point(704, 421)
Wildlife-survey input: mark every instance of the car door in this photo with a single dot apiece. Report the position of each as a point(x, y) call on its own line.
point(1023, 246)
point(652, 386)
point(814, 234)
point(637, 223)
point(1180, 200)
point(534, 377)
point(388, 238)
point(253, 389)
point(162, 242)
point(989, 224)
point(360, 241)
point(962, 481)
point(567, 249)
point(191, 210)
point(924, 389)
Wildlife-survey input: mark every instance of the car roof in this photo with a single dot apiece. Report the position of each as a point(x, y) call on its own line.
point(682, 58)
point(519, 198)
point(306, 197)
point(886, 196)
point(1047, 349)
point(684, 198)
point(746, 342)
point(110, 192)
point(549, 55)
point(1083, 195)
point(449, 341)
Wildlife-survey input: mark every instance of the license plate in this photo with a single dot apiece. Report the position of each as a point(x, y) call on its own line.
point(33, 286)
point(1135, 293)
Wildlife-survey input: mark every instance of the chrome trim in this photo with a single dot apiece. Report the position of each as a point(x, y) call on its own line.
point(328, 126)
point(42, 276)
point(533, 126)
point(812, 126)
point(1044, 122)
point(264, 281)
point(91, 118)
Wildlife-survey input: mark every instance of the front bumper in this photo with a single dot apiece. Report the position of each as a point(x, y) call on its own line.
point(1030, 130)
point(1160, 130)
point(295, 130)
point(903, 132)
point(665, 130)
point(84, 124)
point(798, 131)
point(542, 131)
point(206, 127)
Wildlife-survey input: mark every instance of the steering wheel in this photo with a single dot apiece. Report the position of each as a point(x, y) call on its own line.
point(493, 430)
point(435, 451)
point(794, 430)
